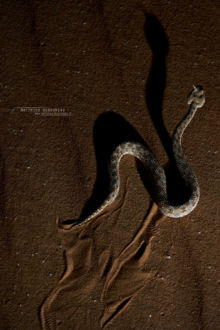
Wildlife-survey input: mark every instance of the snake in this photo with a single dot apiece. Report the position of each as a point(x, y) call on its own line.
point(195, 100)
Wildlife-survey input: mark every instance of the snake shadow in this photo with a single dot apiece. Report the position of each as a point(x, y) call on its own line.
point(111, 129)
point(154, 92)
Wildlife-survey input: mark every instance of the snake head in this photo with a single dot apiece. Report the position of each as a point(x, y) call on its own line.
point(197, 96)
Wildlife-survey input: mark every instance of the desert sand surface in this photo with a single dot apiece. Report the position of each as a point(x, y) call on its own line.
point(77, 79)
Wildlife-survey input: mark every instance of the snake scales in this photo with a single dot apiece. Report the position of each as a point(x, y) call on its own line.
point(196, 100)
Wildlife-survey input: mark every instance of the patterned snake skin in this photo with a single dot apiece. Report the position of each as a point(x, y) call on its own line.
point(196, 100)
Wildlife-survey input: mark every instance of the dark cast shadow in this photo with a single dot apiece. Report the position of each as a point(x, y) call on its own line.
point(111, 129)
point(157, 40)
point(155, 86)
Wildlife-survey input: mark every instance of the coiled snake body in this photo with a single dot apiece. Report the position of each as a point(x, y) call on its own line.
point(196, 100)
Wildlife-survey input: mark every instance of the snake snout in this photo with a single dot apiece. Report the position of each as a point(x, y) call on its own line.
point(197, 96)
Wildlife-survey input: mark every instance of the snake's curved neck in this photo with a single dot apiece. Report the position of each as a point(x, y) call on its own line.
point(185, 170)
point(179, 130)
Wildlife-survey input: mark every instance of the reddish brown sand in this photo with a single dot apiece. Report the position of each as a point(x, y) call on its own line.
point(112, 66)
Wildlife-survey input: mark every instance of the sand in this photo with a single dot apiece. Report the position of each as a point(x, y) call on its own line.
point(77, 78)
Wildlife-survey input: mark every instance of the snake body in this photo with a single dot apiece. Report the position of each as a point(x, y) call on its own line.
point(196, 100)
